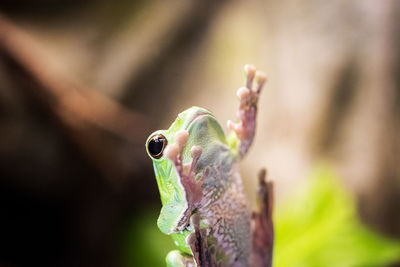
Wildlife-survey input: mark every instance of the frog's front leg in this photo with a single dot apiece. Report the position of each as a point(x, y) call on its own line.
point(203, 255)
point(193, 187)
point(242, 132)
point(175, 258)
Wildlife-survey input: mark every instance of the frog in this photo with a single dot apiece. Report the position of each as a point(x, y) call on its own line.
point(204, 207)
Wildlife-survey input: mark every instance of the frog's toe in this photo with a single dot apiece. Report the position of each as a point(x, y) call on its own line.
point(243, 93)
point(181, 137)
point(171, 152)
point(174, 151)
point(192, 186)
point(250, 71)
point(196, 152)
point(251, 75)
point(236, 127)
point(175, 258)
point(261, 78)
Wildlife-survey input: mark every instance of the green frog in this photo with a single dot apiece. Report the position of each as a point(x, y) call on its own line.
point(204, 208)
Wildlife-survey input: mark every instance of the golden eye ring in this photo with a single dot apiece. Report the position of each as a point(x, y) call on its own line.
point(156, 145)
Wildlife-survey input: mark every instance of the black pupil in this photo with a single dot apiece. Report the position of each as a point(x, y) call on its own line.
point(156, 145)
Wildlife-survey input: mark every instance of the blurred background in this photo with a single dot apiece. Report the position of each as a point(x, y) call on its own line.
point(83, 83)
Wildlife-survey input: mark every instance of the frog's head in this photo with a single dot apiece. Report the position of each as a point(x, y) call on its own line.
point(204, 131)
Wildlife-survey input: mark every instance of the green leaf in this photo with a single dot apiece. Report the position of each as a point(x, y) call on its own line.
point(144, 244)
point(319, 226)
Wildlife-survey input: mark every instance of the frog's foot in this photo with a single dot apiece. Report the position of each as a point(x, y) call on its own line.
point(203, 254)
point(245, 128)
point(175, 258)
point(186, 172)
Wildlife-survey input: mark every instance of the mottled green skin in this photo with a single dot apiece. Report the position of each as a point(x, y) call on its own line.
point(223, 208)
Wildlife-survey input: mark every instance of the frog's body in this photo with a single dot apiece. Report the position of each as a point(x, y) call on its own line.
point(196, 168)
point(228, 216)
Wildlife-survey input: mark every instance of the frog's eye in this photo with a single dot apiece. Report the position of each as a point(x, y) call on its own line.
point(156, 145)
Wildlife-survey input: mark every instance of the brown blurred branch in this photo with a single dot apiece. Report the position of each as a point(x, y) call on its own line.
point(263, 229)
point(85, 115)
